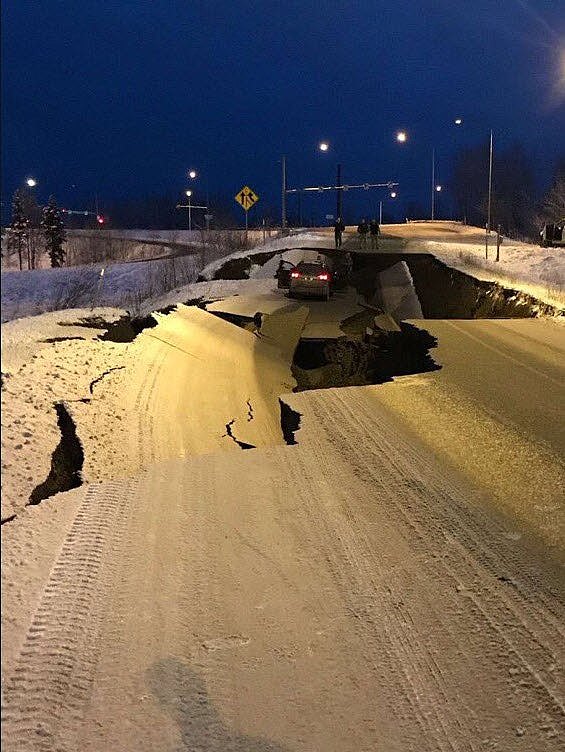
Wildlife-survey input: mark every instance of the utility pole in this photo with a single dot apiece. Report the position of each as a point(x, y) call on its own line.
point(433, 182)
point(380, 212)
point(489, 194)
point(339, 206)
point(283, 194)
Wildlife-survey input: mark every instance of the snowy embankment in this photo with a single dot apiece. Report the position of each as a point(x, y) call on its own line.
point(126, 286)
point(135, 286)
point(539, 272)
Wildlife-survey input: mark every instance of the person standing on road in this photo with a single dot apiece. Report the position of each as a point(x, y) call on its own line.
point(375, 231)
point(339, 227)
point(363, 230)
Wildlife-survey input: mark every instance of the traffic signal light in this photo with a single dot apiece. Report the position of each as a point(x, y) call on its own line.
point(100, 219)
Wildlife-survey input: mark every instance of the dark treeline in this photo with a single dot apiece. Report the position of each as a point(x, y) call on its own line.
point(516, 204)
point(161, 213)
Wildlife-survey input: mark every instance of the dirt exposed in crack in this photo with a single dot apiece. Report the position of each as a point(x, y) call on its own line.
point(66, 461)
point(444, 292)
point(290, 422)
point(239, 268)
point(52, 340)
point(241, 444)
point(319, 364)
point(126, 329)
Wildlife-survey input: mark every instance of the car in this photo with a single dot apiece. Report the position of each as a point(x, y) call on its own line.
point(311, 279)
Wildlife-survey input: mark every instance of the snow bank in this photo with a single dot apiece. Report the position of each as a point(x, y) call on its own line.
point(539, 272)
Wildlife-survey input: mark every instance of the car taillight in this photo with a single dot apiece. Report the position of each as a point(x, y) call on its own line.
point(295, 275)
point(323, 276)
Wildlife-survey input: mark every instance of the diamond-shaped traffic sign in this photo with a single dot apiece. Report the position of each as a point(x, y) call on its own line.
point(246, 197)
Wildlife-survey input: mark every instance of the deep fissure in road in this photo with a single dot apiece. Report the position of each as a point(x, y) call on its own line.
point(444, 292)
point(290, 422)
point(66, 461)
point(376, 359)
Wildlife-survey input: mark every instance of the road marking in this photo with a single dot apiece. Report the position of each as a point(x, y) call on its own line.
point(504, 355)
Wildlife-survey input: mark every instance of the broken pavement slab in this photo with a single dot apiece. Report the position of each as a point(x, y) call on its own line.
point(193, 375)
point(324, 318)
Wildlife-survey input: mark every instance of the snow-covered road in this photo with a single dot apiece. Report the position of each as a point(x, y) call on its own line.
point(391, 581)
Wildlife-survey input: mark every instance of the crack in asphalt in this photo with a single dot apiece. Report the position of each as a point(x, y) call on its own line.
point(250, 411)
point(229, 433)
point(66, 461)
point(99, 378)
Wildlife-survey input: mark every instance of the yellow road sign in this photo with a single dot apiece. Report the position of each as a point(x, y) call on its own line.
point(246, 197)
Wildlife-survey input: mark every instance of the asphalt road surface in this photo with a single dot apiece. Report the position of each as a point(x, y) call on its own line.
point(392, 581)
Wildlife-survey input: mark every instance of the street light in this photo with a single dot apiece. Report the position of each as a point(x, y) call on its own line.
point(438, 188)
point(31, 182)
point(458, 121)
point(189, 194)
point(192, 174)
point(393, 194)
point(322, 146)
point(401, 137)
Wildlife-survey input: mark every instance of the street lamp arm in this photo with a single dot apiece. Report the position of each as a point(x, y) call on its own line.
point(365, 186)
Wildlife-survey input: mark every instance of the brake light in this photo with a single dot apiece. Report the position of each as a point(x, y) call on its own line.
point(295, 275)
point(323, 276)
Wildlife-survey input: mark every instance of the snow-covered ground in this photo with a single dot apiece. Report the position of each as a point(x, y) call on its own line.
point(119, 285)
point(537, 271)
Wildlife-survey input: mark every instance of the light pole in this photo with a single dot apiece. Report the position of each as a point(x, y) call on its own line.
point(490, 156)
point(433, 182)
point(392, 195)
point(32, 216)
point(189, 194)
point(283, 194)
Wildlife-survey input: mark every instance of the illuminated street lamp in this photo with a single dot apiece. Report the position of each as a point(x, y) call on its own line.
point(438, 188)
point(31, 182)
point(192, 174)
point(401, 137)
point(393, 194)
point(189, 194)
point(323, 146)
point(458, 121)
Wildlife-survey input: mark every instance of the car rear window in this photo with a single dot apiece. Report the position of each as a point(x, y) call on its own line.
point(310, 268)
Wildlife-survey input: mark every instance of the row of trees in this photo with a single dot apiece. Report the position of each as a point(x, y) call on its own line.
point(516, 204)
point(29, 222)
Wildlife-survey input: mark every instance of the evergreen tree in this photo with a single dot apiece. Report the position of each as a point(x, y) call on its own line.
point(554, 201)
point(54, 231)
point(18, 231)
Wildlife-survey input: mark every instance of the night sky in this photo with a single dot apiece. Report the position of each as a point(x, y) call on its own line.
point(120, 98)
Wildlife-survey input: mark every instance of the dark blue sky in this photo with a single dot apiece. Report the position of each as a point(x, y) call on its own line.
point(121, 98)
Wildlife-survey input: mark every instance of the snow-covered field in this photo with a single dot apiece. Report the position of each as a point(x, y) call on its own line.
point(118, 285)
